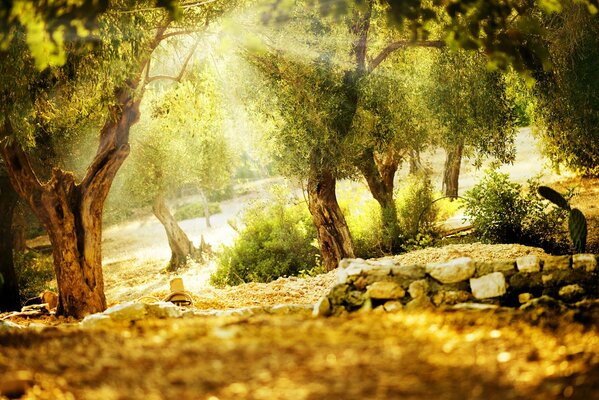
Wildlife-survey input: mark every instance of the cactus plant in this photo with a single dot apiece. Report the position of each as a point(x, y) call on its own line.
point(577, 223)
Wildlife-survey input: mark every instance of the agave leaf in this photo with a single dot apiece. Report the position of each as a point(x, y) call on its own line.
point(554, 197)
point(577, 224)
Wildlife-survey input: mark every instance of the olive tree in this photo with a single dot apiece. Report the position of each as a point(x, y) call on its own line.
point(179, 143)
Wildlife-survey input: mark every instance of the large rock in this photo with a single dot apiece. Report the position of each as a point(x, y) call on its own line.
point(457, 270)
point(96, 320)
point(551, 263)
point(385, 291)
point(586, 262)
point(127, 311)
point(488, 286)
point(530, 263)
point(163, 309)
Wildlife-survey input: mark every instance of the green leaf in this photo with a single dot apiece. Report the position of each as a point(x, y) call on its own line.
point(577, 224)
point(554, 197)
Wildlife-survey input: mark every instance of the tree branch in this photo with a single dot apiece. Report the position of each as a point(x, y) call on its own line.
point(180, 32)
point(181, 72)
point(402, 44)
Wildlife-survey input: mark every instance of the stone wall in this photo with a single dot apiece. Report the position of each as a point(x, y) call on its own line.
point(462, 282)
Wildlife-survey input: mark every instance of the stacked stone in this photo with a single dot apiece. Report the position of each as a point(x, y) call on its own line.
point(383, 284)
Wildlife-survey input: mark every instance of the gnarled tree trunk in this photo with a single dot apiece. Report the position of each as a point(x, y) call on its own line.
point(334, 237)
point(379, 174)
point(72, 212)
point(451, 174)
point(181, 247)
point(9, 290)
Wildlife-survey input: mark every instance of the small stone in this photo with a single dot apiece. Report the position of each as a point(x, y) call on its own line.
point(451, 297)
point(571, 292)
point(544, 303)
point(419, 303)
point(586, 262)
point(546, 278)
point(506, 267)
point(95, 320)
point(127, 311)
point(524, 297)
point(551, 263)
point(409, 271)
point(488, 286)
point(289, 309)
point(385, 290)
point(530, 263)
point(418, 289)
point(355, 299)
point(393, 306)
point(457, 270)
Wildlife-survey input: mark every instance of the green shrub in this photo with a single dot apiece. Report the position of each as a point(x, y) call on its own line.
point(415, 208)
point(195, 210)
point(278, 239)
point(35, 273)
point(503, 212)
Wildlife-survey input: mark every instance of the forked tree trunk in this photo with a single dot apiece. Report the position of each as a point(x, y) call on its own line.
point(181, 247)
point(72, 212)
point(334, 237)
point(379, 177)
point(9, 290)
point(451, 174)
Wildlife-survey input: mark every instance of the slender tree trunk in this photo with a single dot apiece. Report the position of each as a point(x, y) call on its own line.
point(451, 175)
point(206, 208)
point(334, 237)
point(415, 163)
point(379, 177)
point(9, 290)
point(181, 247)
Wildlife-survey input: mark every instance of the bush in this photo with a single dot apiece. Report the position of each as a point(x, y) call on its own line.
point(416, 216)
point(35, 273)
point(277, 240)
point(415, 208)
point(195, 210)
point(503, 212)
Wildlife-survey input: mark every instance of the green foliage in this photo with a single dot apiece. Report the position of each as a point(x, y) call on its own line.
point(195, 210)
point(277, 240)
point(416, 216)
point(470, 107)
point(35, 272)
point(577, 223)
point(415, 208)
point(502, 211)
point(568, 95)
point(179, 142)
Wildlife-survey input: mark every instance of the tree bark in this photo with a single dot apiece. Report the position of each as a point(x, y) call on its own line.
point(334, 237)
point(451, 174)
point(72, 213)
point(18, 229)
point(181, 247)
point(9, 290)
point(379, 177)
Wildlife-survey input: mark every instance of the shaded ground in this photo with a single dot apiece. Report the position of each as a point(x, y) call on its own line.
point(482, 355)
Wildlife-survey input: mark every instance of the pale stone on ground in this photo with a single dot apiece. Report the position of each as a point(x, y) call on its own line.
point(385, 290)
point(453, 271)
point(393, 306)
point(322, 308)
point(570, 292)
point(127, 311)
point(588, 262)
point(556, 262)
point(530, 263)
point(488, 286)
point(524, 297)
